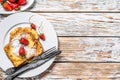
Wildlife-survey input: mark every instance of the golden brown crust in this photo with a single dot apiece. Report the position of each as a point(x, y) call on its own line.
point(20, 30)
point(33, 43)
point(16, 60)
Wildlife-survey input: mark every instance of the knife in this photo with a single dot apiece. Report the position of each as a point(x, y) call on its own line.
point(44, 55)
point(32, 65)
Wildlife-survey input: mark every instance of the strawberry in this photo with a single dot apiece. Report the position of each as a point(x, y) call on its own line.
point(12, 1)
point(22, 51)
point(33, 26)
point(15, 6)
point(7, 6)
point(22, 2)
point(42, 36)
point(24, 41)
point(1, 1)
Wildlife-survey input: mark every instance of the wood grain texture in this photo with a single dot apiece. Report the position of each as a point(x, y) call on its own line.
point(76, 5)
point(84, 24)
point(89, 49)
point(81, 71)
point(1, 76)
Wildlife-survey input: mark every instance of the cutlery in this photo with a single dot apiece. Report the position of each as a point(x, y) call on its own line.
point(44, 55)
point(32, 65)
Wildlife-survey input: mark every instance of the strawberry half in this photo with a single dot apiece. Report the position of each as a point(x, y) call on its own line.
point(24, 41)
point(7, 6)
point(22, 51)
point(1, 1)
point(33, 26)
point(42, 36)
point(12, 1)
point(21, 2)
point(15, 6)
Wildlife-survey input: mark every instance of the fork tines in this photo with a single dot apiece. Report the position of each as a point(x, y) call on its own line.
point(49, 50)
point(46, 54)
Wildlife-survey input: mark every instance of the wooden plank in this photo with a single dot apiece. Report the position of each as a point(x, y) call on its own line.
point(82, 71)
point(1, 76)
point(84, 24)
point(89, 49)
point(76, 5)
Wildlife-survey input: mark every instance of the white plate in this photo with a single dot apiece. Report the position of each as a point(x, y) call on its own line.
point(22, 8)
point(22, 19)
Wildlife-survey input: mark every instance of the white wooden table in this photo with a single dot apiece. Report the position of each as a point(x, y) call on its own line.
point(89, 37)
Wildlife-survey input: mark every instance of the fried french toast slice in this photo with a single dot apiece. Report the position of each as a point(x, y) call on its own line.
point(23, 45)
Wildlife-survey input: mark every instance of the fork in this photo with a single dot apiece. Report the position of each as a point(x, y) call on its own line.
point(32, 65)
point(44, 55)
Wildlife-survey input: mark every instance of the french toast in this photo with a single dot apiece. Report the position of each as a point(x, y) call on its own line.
point(23, 45)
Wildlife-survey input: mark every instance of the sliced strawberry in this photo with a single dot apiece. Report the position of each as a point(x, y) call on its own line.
point(12, 1)
point(1, 1)
point(24, 41)
point(42, 36)
point(21, 51)
point(7, 6)
point(33, 26)
point(15, 6)
point(22, 2)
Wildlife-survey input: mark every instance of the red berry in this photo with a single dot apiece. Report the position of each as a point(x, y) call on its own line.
point(24, 41)
point(14, 6)
point(42, 37)
point(21, 2)
point(22, 51)
point(12, 1)
point(7, 6)
point(1, 0)
point(33, 26)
